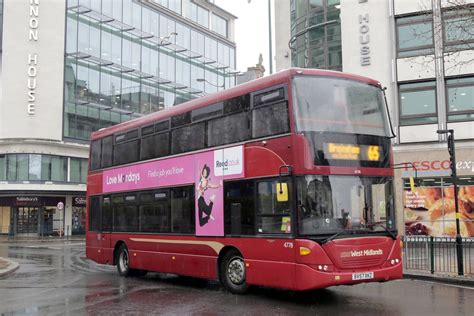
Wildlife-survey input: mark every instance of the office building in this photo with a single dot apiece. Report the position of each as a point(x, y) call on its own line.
point(69, 68)
point(423, 52)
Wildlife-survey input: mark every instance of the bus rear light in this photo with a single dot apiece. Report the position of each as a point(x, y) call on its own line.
point(304, 251)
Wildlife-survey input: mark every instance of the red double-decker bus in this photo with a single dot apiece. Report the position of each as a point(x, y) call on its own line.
point(285, 181)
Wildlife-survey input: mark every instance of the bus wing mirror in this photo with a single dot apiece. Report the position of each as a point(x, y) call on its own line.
point(282, 192)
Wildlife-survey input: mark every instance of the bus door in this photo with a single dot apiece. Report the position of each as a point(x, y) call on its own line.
point(106, 227)
point(100, 223)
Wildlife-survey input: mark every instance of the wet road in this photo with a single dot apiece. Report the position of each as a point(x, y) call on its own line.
point(57, 279)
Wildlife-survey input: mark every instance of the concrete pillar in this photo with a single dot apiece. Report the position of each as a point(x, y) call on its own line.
point(68, 216)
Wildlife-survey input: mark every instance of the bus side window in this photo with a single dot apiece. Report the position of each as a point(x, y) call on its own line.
point(107, 143)
point(106, 214)
point(182, 210)
point(95, 154)
point(270, 120)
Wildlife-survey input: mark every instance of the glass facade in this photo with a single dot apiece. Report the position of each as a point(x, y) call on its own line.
point(316, 34)
point(37, 167)
point(128, 58)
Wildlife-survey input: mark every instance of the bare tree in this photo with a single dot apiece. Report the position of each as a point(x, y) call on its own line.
point(455, 28)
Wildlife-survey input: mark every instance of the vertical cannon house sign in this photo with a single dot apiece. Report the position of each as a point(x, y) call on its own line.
point(32, 56)
point(364, 37)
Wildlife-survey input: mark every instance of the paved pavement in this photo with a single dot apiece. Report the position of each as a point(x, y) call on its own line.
point(467, 280)
point(7, 266)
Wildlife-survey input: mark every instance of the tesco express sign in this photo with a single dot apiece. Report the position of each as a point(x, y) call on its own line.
point(438, 165)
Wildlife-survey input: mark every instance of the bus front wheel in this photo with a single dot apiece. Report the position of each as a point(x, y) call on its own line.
point(232, 273)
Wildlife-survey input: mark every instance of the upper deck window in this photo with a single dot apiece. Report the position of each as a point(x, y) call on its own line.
point(324, 104)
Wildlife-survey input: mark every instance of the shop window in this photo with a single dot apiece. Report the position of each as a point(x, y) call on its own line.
point(429, 207)
point(415, 35)
point(418, 103)
point(460, 95)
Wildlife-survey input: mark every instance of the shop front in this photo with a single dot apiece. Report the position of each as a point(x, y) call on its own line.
point(41, 215)
point(78, 215)
point(426, 206)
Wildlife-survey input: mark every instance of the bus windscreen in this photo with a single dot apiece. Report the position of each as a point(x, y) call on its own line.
point(323, 104)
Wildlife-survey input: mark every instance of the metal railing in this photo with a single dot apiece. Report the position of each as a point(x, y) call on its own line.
point(437, 254)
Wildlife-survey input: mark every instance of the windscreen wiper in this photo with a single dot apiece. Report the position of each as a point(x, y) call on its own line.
point(336, 235)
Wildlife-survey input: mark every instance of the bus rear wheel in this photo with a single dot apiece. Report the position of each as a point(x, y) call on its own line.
point(123, 261)
point(232, 273)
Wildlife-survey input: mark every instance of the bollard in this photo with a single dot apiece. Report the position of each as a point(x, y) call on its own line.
point(431, 255)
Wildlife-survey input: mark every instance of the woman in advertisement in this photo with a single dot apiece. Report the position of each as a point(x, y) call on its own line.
point(205, 209)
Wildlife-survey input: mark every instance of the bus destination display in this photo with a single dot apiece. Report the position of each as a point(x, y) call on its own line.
point(337, 151)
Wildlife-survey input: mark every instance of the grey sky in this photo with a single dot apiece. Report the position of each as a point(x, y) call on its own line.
point(251, 30)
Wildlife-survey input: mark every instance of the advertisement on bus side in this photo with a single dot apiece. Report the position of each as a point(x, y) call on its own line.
point(206, 170)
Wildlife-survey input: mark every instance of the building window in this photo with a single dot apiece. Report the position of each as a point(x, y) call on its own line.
point(37, 167)
point(3, 167)
point(459, 29)
point(415, 35)
point(78, 172)
point(460, 95)
point(418, 103)
point(219, 25)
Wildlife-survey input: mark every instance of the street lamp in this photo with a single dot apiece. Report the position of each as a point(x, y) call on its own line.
point(212, 84)
point(164, 41)
point(303, 31)
point(452, 158)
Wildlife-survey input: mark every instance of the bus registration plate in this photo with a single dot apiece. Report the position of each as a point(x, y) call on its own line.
point(362, 276)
